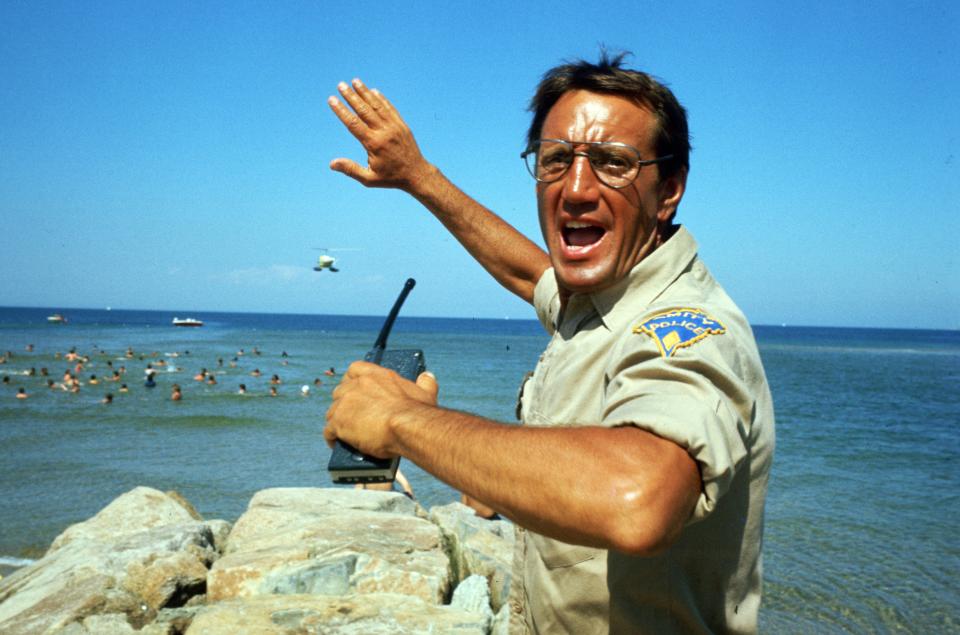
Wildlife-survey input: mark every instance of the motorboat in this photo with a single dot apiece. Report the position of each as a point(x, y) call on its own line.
point(187, 322)
point(56, 318)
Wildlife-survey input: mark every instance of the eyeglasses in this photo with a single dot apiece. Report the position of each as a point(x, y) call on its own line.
point(615, 164)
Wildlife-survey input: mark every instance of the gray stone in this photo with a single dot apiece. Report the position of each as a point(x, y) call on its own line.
point(143, 551)
point(331, 541)
point(501, 622)
point(477, 546)
point(140, 508)
point(220, 530)
point(473, 595)
point(111, 624)
point(358, 614)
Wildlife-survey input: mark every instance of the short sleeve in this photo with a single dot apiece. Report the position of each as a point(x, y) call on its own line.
point(686, 398)
point(546, 300)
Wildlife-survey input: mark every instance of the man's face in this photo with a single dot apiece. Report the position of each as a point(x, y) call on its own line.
point(595, 234)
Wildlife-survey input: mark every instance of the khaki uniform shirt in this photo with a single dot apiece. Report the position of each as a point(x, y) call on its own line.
point(667, 351)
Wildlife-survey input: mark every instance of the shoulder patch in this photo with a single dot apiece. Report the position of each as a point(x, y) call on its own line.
point(678, 328)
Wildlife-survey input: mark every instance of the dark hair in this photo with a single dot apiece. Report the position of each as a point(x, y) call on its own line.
point(608, 76)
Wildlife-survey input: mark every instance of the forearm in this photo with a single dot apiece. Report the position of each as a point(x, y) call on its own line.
point(510, 257)
point(604, 487)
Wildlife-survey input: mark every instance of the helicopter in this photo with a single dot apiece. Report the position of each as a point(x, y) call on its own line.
point(327, 262)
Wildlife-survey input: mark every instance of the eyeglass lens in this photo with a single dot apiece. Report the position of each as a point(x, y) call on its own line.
point(616, 165)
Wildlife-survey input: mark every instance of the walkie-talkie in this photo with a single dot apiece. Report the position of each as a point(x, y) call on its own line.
point(349, 465)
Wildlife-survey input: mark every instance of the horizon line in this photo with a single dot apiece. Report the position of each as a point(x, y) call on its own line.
point(193, 313)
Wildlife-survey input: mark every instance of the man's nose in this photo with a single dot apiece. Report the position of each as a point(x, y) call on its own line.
point(580, 182)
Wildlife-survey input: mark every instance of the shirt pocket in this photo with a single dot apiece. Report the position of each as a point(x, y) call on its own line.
point(556, 554)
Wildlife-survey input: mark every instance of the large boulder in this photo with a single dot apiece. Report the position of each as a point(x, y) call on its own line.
point(353, 614)
point(145, 551)
point(331, 542)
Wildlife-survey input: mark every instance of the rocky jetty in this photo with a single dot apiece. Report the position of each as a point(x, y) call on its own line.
point(299, 560)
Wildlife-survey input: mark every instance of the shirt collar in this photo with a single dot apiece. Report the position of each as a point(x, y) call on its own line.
point(621, 303)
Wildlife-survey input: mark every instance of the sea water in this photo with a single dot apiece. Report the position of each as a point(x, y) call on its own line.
point(862, 508)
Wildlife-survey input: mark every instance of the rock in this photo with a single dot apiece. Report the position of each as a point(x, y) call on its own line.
point(220, 529)
point(336, 561)
point(355, 614)
point(477, 546)
point(110, 624)
point(142, 552)
point(473, 595)
point(501, 622)
point(140, 508)
point(324, 500)
point(331, 542)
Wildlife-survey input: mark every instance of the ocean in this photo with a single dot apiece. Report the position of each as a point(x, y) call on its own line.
point(863, 504)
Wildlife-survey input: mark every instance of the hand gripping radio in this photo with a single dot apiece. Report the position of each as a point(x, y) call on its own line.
point(349, 465)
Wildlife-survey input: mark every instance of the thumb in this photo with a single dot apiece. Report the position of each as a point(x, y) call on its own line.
point(352, 169)
point(427, 381)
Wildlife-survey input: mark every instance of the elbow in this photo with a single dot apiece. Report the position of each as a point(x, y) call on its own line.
point(643, 524)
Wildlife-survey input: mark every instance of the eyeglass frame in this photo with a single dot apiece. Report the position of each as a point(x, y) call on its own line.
point(640, 162)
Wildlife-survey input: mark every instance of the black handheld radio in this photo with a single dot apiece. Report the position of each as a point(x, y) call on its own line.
point(349, 465)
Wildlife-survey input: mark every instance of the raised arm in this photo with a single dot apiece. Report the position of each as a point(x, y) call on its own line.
point(394, 160)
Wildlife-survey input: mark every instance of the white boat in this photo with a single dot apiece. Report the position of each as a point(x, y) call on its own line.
point(56, 318)
point(187, 322)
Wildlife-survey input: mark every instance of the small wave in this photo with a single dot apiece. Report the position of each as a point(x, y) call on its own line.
point(14, 562)
point(870, 350)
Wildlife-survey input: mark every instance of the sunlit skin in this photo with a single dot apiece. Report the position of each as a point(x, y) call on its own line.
point(625, 225)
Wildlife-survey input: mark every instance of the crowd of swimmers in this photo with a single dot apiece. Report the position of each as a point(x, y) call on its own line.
point(80, 365)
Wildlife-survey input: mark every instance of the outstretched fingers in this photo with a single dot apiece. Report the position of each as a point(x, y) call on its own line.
point(393, 158)
point(363, 102)
point(384, 107)
point(357, 127)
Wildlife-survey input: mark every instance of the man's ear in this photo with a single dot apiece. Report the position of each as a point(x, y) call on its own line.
point(671, 191)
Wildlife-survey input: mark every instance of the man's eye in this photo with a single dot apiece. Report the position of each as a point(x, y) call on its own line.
point(555, 159)
point(612, 161)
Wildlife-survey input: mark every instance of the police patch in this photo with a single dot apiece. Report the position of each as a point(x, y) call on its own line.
point(678, 328)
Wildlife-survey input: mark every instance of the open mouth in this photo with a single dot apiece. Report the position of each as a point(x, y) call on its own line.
point(578, 236)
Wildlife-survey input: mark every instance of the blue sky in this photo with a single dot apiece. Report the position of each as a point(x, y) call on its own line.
point(174, 155)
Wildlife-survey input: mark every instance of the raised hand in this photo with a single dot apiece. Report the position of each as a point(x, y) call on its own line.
point(393, 158)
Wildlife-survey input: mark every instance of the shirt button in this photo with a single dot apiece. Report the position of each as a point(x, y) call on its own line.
point(516, 608)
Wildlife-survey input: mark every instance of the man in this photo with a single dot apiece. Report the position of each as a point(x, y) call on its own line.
point(641, 471)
